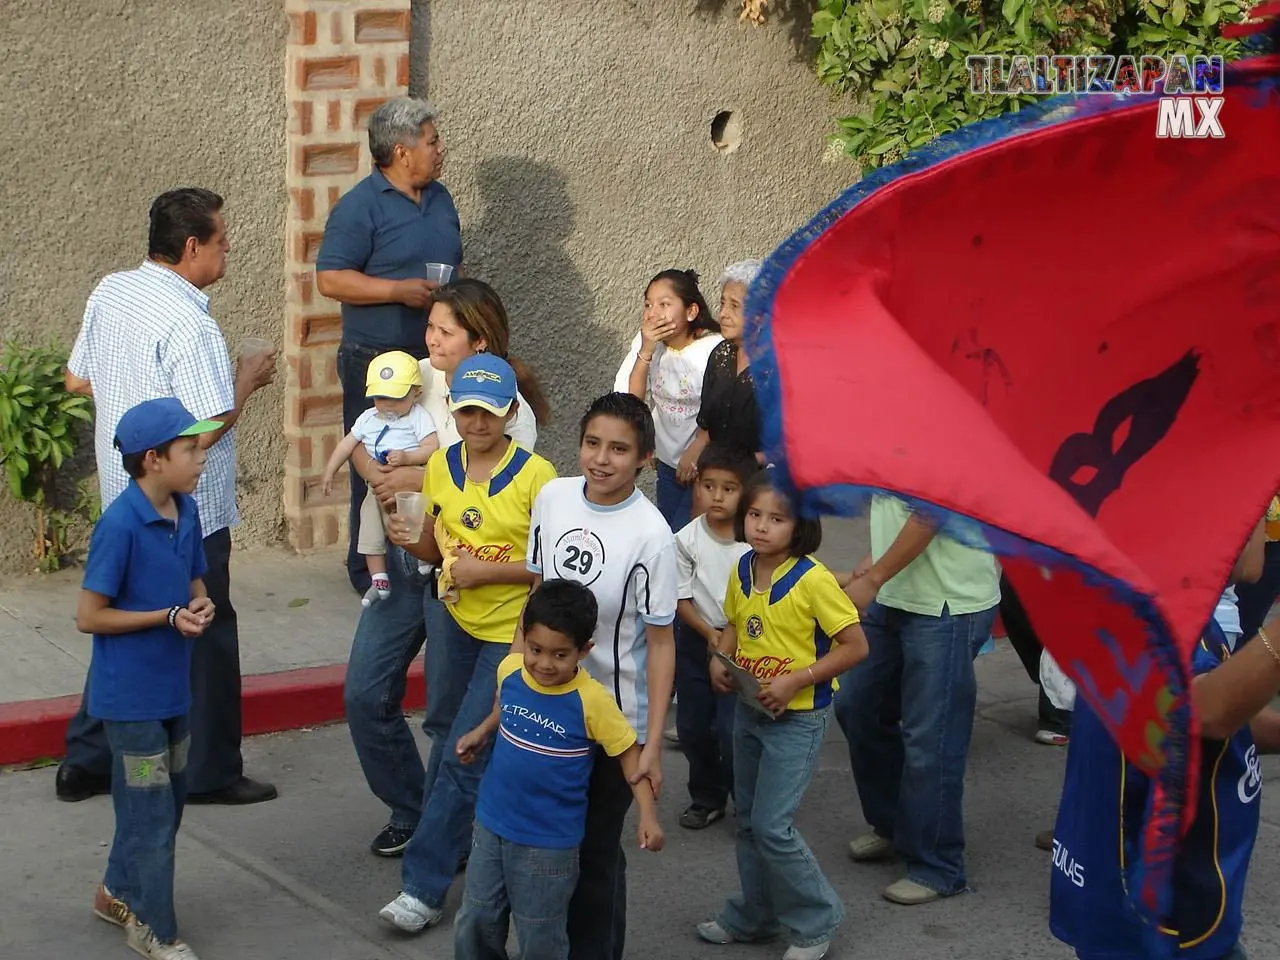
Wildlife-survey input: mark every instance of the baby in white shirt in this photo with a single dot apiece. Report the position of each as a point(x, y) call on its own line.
point(395, 431)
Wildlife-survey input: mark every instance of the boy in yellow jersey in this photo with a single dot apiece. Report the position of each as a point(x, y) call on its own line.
point(481, 492)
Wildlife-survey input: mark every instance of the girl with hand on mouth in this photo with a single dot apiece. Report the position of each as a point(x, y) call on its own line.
point(665, 368)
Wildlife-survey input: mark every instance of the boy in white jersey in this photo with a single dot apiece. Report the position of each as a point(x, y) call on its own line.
point(599, 530)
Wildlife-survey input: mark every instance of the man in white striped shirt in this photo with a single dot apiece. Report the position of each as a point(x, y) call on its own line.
point(147, 333)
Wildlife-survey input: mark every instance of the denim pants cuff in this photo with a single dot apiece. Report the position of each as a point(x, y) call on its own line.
point(756, 936)
point(814, 941)
point(940, 889)
point(434, 902)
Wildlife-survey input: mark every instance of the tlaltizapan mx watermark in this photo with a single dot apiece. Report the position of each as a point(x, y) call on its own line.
point(1190, 86)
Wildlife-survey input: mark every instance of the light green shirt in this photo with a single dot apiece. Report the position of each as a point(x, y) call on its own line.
point(948, 573)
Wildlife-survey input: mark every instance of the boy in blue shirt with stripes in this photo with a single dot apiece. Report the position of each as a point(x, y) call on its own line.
point(144, 600)
point(1104, 803)
point(548, 715)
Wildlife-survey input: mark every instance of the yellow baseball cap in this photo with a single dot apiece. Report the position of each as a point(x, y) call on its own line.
point(392, 375)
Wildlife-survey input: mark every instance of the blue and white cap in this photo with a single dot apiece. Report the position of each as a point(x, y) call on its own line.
point(483, 380)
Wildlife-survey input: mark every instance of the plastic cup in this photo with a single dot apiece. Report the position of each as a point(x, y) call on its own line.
point(411, 508)
point(439, 272)
point(251, 346)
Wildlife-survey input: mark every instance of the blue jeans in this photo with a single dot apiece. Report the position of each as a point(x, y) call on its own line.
point(782, 884)
point(675, 500)
point(907, 712)
point(148, 790)
point(508, 880)
point(388, 637)
point(704, 722)
point(462, 675)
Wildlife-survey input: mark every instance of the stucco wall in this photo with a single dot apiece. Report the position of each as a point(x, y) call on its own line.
point(580, 156)
point(107, 104)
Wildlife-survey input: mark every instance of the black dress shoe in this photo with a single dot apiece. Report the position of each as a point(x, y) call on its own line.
point(76, 783)
point(241, 792)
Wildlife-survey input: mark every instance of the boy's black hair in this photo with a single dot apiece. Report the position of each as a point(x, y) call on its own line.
point(133, 462)
point(565, 606)
point(806, 538)
point(629, 409)
point(720, 456)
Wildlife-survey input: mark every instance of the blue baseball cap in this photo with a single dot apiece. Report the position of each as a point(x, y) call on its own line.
point(483, 380)
point(155, 422)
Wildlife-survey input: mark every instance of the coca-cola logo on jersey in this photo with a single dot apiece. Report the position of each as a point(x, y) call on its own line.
point(766, 668)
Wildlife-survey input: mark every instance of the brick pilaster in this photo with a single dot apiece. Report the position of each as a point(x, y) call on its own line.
point(344, 58)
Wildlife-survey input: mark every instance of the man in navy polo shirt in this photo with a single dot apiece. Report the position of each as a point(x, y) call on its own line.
point(144, 600)
point(377, 244)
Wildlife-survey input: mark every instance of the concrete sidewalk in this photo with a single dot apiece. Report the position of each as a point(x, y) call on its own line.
point(295, 611)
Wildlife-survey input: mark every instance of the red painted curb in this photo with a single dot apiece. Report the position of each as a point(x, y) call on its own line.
point(269, 702)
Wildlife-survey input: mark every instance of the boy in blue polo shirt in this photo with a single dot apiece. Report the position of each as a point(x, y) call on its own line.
point(144, 601)
point(549, 716)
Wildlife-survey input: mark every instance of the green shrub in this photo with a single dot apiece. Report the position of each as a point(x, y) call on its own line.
point(38, 420)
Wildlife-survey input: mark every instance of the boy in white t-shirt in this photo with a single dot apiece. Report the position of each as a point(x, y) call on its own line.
point(599, 530)
point(706, 556)
point(396, 431)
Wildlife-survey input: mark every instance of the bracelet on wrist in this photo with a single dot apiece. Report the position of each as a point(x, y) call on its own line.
point(1266, 642)
point(173, 617)
point(643, 359)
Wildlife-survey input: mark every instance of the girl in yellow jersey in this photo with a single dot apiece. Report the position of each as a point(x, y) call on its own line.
point(481, 492)
point(794, 630)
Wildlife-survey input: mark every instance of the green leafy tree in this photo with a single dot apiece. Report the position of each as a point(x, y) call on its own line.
point(905, 59)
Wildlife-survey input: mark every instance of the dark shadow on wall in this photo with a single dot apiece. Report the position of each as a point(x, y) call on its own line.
point(796, 16)
point(519, 246)
point(419, 47)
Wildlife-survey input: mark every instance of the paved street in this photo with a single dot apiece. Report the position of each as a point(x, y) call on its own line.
point(293, 879)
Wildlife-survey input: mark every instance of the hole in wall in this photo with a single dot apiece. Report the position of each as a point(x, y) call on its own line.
point(726, 131)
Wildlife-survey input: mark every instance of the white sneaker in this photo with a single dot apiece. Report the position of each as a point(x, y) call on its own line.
point(712, 932)
point(815, 952)
point(410, 914)
point(870, 846)
point(1051, 738)
point(142, 940)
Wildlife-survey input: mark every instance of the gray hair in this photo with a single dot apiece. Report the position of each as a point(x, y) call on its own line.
point(397, 122)
point(743, 272)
